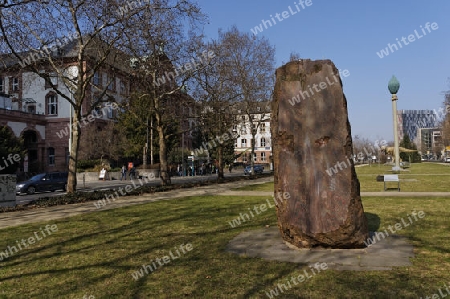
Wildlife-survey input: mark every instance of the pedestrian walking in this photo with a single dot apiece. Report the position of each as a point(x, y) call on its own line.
point(124, 173)
point(203, 169)
point(132, 173)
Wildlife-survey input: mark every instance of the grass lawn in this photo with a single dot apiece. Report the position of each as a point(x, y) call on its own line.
point(420, 177)
point(95, 255)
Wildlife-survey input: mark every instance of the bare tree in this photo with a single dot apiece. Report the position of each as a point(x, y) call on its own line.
point(10, 4)
point(166, 46)
point(445, 123)
point(92, 35)
point(250, 63)
point(215, 89)
point(72, 39)
point(363, 148)
point(105, 141)
point(294, 56)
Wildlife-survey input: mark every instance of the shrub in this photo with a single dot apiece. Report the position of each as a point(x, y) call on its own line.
point(87, 164)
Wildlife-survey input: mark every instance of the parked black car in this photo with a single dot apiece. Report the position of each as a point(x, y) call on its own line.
point(256, 169)
point(50, 181)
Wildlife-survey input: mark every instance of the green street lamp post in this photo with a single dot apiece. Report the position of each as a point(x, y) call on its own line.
point(393, 87)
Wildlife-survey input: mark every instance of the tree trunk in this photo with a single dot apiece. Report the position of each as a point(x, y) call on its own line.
point(76, 133)
point(164, 174)
point(220, 166)
point(252, 162)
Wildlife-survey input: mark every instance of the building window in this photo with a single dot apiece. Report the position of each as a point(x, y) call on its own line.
point(262, 128)
point(2, 84)
point(31, 108)
point(123, 88)
point(244, 158)
point(243, 130)
point(51, 156)
point(263, 142)
point(110, 82)
point(243, 117)
point(98, 110)
point(52, 104)
point(243, 142)
point(15, 84)
point(96, 105)
point(53, 78)
point(110, 112)
point(234, 128)
point(96, 79)
point(263, 156)
point(254, 157)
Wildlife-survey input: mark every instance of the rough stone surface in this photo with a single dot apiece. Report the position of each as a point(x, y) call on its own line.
point(312, 150)
point(7, 190)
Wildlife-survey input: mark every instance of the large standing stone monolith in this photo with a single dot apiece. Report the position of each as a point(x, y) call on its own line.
point(312, 150)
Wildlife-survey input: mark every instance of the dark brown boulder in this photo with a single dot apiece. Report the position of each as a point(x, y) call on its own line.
point(312, 150)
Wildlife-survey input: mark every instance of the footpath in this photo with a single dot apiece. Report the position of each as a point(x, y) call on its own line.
point(57, 212)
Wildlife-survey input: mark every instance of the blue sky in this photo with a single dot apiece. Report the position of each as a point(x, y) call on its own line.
point(350, 33)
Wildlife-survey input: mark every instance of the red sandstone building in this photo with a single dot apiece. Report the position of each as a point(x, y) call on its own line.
point(33, 111)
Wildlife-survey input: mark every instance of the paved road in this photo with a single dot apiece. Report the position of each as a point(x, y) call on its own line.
point(115, 184)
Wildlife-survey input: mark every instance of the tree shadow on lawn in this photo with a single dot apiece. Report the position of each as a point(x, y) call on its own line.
point(130, 231)
point(373, 221)
point(90, 240)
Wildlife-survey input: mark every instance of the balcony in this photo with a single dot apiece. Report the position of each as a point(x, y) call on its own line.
point(18, 115)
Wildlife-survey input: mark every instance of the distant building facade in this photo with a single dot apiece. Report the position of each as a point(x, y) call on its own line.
point(263, 142)
point(430, 142)
point(32, 110)
point(410, 121)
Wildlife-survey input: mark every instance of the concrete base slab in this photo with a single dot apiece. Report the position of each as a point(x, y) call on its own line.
point(266, 243)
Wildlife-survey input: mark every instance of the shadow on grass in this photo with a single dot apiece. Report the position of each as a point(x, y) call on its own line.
point(373, 221)
point(99, 251)
point(89, 244)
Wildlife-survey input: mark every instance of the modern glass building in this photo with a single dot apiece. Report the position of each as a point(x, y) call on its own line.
point(409, 121)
